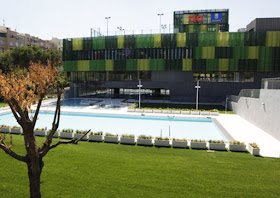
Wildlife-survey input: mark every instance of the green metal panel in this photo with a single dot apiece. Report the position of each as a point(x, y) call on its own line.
point(157, 64)
point(276, 59)
point(129, 41)
point(207, 39)
point(212, 65)
point(119, 65)
point(168, 40)
point(173, 65)
point(157, 41)
point(223, 52)
point(187, 65)
point(120, 42)
point(181, 40)
point(111, 42)
point(97, 65)
point(199, 64)
point(253, 52)
point(197, 52)
point(83, 65)
point(208, 53)
point(223, 39)
point(87, 44)
point(223, 64)
point(192, 40)
point(254, 38)
point(240, 52)
point(109, 65)
point(236, 39)
point(248, 65)
point(233, 65)
point(150, 41)
point(131, 65)
point(273, 39)
point(143, 64)
point(67, 45)
point(77, 44)
point(70, 66)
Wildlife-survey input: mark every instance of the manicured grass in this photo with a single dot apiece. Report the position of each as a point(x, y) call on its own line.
point(220, 108)
point(2, 104)
point(109, 170)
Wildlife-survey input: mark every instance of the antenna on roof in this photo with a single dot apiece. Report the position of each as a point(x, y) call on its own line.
point(3, 22)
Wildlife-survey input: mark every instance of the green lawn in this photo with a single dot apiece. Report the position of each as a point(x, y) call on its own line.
point(108, 170)
point(221, 108)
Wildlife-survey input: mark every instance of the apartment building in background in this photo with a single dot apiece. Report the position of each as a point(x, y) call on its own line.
point(10, 39)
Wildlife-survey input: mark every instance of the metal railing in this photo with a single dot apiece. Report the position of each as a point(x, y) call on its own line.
point(271, 83)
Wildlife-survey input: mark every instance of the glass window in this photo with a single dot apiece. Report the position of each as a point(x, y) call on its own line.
point(11, 43)
point(21, 44)
point(16, 43)
point(1, 42)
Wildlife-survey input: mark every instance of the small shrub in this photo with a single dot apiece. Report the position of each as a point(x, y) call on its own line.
point(195, 140)
point(254, 145)
point(237, 142)
point(97, 133)
point(144, 137)
point(110, 134)
point(161, 138)
point(67, 130)
point(128, 136)
point(180, 140)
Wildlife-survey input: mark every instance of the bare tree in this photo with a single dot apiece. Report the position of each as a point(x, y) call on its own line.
point(21, 89)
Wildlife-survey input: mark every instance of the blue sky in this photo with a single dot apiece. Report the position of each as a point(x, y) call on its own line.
point(74, 18)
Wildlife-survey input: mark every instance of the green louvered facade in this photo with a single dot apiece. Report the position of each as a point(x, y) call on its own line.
point(204, 51)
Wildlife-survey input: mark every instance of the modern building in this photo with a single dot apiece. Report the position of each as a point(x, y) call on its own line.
point(264, 24)
point(169, 65)
point(10, 39)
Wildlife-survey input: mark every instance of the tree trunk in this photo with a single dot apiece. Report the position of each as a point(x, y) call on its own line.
point(34, 162)
point(34, 173)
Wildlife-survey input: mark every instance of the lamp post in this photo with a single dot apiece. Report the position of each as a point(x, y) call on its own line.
point(197, 87)
point(163, 27)
point(120, 28)
point(139, 86)
point(226, 104)
point(107, 18)
point(160, 21)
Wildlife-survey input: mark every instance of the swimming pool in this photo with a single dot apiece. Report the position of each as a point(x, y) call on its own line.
point(188, 128)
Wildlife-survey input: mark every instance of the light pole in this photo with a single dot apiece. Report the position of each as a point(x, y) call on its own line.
point(139, 86)
point(164, 27)
point(120, 28)
point(160, 21)
point(197, 87)
point(107, 18)
point(226, 103)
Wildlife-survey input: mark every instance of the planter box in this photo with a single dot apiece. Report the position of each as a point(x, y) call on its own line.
point(162, 143)
point(237, 147)
point(111, 139)
point(253, 151)
point(148, 111)
point(214, 113)
point(217, 146)
point(176, 112)
point(204, 113)
point(139, 110)
point(130, 110)
point(144, 142)
point(65, 135)
point(40, 133)
point(16, 130)
point(194, 112)
point(77, 136)
point(95, 138)
point(185, 112)
point(55, 135)
point(198, 145)
point(166, 111)
point(179, 144)
point(157, 111)
point(126, 140)
point(5, 129)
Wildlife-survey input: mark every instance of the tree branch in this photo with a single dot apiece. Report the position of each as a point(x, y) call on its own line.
point(49, 147)
point(14, 112)
point(37, 110)
point(69, 142)
point(9, 151)
point(18, 108)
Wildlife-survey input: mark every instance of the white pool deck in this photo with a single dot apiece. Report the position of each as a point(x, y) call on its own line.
point(240, 129)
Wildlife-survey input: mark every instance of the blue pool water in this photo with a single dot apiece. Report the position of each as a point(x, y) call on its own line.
point(188, 128)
